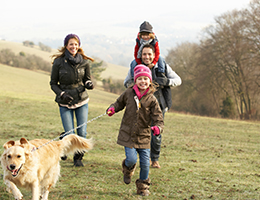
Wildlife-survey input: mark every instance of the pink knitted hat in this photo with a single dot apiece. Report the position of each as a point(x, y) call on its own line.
point(142, 70)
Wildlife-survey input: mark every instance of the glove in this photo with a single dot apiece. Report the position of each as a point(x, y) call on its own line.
point(162, 81)
point(66, 97)
point(89, 85)
point(156, 130)
point(110, 111)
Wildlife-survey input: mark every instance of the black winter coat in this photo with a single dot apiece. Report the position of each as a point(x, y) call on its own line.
point(69, 78)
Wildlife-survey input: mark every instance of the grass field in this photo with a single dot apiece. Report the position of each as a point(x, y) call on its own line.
point(201, 157)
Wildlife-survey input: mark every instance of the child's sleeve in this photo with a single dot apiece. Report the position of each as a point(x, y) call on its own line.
point(157, 53)
point(138, 60)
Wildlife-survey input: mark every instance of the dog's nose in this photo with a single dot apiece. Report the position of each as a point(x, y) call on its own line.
point(12, 166)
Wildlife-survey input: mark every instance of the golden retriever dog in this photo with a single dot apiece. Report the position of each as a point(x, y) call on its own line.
point(37, 169)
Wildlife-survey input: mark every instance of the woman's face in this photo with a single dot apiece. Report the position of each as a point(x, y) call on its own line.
point(72, 46)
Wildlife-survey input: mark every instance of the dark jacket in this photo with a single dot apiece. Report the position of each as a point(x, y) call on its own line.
point(135, 129)
point(69, 78)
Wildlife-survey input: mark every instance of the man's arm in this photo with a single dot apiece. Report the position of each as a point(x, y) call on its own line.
point(171, 78)
point(174, 78)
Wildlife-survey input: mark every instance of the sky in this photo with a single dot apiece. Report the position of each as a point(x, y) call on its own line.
point(54, 19)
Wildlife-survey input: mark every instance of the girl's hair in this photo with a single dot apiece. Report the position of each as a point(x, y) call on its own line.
point(152, 36)
point(61, 52)
point(153, 87)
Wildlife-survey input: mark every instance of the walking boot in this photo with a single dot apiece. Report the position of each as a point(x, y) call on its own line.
point(155, 164)
point(77, 159)
point(128, 172)
point(143, 186)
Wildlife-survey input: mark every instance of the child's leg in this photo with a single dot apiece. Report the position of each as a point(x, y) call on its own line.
point(161, 65)
point(143, 183)
point(129, 164)
point(144, 156)
point(131, 157)
point(132, 66)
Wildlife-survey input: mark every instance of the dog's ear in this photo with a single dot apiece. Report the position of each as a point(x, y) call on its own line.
point(23, 141)
point(9, 144)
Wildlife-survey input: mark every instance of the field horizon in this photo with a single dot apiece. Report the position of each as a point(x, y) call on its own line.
point(114, 71)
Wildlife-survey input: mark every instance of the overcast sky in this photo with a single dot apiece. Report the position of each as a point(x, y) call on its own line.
point(31, 19)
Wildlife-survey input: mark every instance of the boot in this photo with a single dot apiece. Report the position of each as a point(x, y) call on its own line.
point(155, 164)
point(128, 172)
point(77, 159)
point(143, 186)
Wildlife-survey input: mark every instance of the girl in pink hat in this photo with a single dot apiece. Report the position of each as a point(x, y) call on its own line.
point(141, 109)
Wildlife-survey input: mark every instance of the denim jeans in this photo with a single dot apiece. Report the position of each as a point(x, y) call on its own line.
point(156, 145)
point(67, 118)
point(144, 157)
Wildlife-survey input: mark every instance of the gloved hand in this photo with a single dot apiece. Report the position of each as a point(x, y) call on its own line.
point(156, 130)
point(163, 81)
point(110, 111)
point(66, 97)
point(89, 85)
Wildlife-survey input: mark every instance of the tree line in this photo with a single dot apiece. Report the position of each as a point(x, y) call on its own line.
point(33, 62)
point(221, 73)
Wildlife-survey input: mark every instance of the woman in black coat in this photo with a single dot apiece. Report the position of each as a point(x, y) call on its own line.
point(70, 77)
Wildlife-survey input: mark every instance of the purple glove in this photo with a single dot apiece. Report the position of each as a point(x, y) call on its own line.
point(156, 130)
point(111, 111)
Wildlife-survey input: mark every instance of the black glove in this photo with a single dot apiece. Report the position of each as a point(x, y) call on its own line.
point(66, 97)
point(162, 81)
point(89, 85)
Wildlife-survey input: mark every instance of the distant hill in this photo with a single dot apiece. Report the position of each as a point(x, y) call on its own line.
point(114, 71)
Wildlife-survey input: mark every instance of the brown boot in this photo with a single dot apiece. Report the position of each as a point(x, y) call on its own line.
point(155, 164)
point(128, 172)
point(143, 186)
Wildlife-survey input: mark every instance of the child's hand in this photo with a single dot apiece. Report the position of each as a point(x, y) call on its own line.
point(156, 130)
point(110, 111)
point(150, 65)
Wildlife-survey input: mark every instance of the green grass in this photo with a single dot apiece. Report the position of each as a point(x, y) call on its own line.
point(201, 157)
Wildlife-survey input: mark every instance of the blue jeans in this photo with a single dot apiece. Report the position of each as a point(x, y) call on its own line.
point(161, 65)
point(144, 157)
point(156, 145)
point(67, 118)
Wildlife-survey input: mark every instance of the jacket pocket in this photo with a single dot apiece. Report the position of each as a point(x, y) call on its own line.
point(144, 136)
point(124, 134)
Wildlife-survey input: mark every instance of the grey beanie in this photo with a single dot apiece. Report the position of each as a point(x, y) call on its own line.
point(146, 27)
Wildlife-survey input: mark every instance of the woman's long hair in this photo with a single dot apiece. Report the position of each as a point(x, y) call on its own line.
point(61, 52)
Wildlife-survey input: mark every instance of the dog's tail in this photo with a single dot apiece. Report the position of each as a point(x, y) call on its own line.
point(72, 143)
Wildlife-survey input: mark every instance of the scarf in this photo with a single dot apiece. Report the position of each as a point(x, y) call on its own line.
point(142, 42)
point(73, 60)
point(138, 94)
